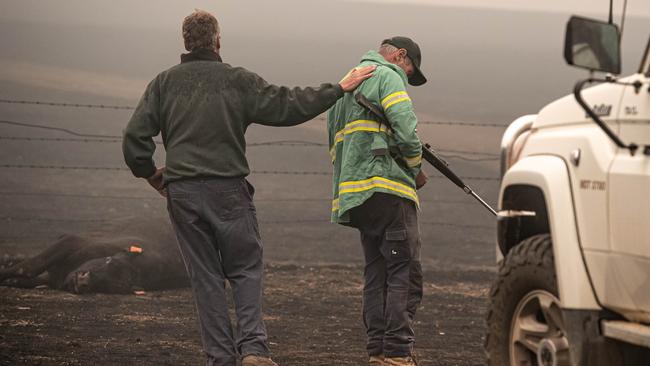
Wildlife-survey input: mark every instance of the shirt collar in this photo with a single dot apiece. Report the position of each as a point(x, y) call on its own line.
point(200, 54)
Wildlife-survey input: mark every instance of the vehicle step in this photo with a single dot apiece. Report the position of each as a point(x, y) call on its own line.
point(628, 332)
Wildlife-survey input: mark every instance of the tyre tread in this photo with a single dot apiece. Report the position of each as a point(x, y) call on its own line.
point(536, 251)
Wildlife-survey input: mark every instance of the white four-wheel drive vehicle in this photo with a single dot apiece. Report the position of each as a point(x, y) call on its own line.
point(573, 286)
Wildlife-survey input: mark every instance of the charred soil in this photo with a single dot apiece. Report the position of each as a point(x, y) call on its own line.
point(312, 314)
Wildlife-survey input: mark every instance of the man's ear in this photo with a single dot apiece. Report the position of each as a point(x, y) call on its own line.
point(218, 43)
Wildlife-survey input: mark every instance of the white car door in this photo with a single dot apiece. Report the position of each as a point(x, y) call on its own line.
point(628, 268)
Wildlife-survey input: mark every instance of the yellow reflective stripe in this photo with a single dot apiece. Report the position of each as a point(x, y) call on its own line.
point(378, 185)
point(377, 182)
point(380, 128)
point(359, 125)
point(355, 126)
point(394, 98)
point(361, 182)
point(394, 95)
point(338, 137)
point(358, 122)
point(414, 161)
point(396, 101)
point(335, 205)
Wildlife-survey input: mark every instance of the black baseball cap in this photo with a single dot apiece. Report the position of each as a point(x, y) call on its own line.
point(413, 52)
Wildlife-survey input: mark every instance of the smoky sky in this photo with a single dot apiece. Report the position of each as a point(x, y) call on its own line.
point(482, 64)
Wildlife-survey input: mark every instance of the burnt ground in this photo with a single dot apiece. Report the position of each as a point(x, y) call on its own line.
point(313, 284)
point(312, 314)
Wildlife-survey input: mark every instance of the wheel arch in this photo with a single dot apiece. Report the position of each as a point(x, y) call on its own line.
point(542, 183)
point(513, 229)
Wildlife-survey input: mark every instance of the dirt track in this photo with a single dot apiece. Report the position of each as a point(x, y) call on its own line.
point(312, 315)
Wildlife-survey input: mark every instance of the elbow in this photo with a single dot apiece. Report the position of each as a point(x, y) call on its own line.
point(131, 161)
point(141, 165)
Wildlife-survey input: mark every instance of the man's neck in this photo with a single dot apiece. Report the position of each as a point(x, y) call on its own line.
point(201, 54)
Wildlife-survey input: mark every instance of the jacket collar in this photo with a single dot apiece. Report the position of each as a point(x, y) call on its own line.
point(375, 57)
point(200, 54)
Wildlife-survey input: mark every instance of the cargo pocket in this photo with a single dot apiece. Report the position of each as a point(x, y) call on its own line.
point(379, 145)
point(379, 158)
point(396, 246)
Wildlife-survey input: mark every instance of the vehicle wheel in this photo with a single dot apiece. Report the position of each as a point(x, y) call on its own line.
point(525, 324)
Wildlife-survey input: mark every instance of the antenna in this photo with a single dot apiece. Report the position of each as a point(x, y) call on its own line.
point(623, 19)
point(611, 11)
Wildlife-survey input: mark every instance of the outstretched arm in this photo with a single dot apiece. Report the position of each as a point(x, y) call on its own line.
point(281, 106)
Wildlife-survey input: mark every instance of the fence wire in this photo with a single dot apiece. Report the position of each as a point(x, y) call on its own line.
point(69, 105)
point(94, 138)
point(79, 137)
point(126, 107)
point(264, 172)
point(159, 198)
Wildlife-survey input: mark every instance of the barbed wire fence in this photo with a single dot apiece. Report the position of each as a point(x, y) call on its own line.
point(86, 138)
point(95, 138)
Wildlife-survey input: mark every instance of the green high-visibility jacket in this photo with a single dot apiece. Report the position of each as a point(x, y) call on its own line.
point(366, 155)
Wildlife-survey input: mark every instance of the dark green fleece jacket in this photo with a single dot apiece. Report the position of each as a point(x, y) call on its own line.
point(202, 107)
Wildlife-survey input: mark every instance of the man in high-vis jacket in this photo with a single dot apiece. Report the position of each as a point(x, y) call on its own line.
point(376, 174)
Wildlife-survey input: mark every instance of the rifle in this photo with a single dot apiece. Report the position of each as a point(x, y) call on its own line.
point(427, 152)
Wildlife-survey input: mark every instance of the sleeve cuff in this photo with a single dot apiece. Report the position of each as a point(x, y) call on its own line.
point(144, 171)
point(338, 90)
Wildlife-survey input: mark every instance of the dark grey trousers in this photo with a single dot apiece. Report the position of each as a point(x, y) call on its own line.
point(216, 227)
point(393, 274)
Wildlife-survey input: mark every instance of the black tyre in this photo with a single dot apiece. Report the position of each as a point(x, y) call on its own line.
point(525, 325)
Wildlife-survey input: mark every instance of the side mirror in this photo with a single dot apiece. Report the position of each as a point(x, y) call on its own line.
point(592, 44)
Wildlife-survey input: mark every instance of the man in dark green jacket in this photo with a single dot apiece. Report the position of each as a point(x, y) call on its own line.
point(202, 107)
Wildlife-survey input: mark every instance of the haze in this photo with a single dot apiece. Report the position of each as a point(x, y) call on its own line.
point(635, 7)
point(485, 64)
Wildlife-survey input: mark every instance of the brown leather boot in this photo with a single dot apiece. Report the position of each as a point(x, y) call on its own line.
point(376, 361)
point(400, 361)
point(252, 360)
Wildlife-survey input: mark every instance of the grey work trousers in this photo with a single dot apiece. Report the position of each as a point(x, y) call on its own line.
point(216, 227)
point(393, 274)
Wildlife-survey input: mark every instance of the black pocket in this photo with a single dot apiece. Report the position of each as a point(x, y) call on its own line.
point(396, 246)
point(396, 235)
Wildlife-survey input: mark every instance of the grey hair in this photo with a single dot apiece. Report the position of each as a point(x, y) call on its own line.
point(200, 30)
point(387, 48)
